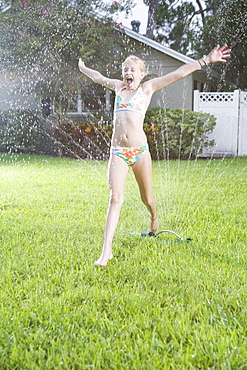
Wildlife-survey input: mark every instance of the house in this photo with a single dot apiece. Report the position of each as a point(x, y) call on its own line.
point(11, 97)
point(184, 93)
point(159, 60)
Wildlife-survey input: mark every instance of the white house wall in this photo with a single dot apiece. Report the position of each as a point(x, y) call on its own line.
point(10, 98)
point(177, 95)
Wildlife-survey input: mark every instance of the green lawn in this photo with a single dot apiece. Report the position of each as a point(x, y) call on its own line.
point(158, 304)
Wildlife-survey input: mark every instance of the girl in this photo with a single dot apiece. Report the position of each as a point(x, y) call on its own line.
point(129, 143)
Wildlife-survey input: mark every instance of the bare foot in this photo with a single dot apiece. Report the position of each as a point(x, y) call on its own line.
point(154, 224)
point(102, 261)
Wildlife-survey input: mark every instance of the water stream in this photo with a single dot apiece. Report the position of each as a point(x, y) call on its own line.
point(178, 205)
point(173, 186)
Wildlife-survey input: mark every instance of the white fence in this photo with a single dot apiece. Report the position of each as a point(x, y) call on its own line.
point(230, 110)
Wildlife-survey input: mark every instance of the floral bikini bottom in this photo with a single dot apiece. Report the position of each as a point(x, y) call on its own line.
point(130, 155)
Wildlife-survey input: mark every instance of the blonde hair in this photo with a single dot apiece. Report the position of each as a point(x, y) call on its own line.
point(138, 61)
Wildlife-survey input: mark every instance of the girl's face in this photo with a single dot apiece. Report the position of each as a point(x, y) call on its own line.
point(132, 75)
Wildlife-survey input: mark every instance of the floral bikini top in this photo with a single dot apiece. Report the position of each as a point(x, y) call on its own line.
point(135, 104)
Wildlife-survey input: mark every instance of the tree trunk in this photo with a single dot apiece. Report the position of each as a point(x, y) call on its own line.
point(151, 18)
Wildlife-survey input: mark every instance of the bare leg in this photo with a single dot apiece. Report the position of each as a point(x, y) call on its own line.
point(117, 173)
point(143, 173)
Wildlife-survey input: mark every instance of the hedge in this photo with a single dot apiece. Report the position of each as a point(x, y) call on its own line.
point(171, 134)
point(178, 133)
point(20, 131)
point(87, 140)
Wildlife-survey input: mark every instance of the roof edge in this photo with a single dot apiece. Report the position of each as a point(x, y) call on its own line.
point(156, 45)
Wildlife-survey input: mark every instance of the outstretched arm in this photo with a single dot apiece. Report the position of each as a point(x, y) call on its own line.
point(98, 77)
point(218, 54)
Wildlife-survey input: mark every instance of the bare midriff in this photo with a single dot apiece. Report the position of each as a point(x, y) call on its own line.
point(128, 129)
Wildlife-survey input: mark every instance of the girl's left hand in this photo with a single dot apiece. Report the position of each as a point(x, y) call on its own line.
point(219, 54)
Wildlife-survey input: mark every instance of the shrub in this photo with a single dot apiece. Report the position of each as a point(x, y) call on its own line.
point(90, 139)
point(20, 131)
point(171, 133)
point(177, 133)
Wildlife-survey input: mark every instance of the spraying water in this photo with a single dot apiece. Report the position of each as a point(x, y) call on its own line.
point(48, 76)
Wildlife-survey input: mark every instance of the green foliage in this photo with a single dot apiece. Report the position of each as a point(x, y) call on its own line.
point(227, 25)
point(171, 133)
point(90, 139)
point(43, 41)
point(178, 133)
point(231, 28)
point(195, 28)
point(174, 24)
point(20, 131)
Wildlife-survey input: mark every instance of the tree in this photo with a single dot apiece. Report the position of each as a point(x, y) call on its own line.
point(173, 20)
point(42, 42)
point(151, 18)
point(194, 28)
point(226, 24)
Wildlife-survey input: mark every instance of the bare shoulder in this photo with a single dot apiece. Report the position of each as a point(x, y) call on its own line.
point(147, 88)
point(148, 92)
point(119, 85)
point(113, 84)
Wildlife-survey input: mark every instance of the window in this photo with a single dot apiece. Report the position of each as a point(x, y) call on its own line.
point(91, 100)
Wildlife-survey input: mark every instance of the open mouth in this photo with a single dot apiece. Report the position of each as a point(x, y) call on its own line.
point(129, 80)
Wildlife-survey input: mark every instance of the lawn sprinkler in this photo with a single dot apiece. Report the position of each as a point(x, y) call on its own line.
point(152, 234)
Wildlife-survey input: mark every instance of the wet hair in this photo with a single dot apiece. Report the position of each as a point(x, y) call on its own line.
point(138, 61)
